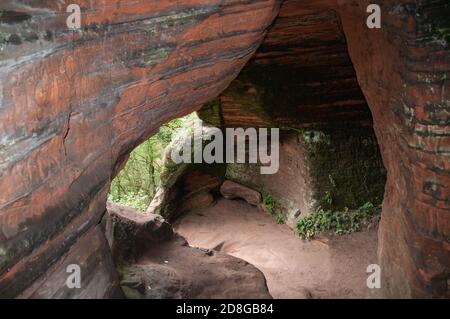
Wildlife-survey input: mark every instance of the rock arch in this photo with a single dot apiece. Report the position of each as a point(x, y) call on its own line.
point(74, 104)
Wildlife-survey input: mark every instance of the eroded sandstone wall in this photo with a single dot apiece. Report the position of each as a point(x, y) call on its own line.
point(73, 105)
point(403, 71)
point(302, 81)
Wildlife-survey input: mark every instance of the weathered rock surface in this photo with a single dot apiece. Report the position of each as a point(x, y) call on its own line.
point(154, 262)
point(302, 81)
point(97, 272)
point(128, 231)
point(403, 70)
point(232, 190)
point(199, 200)
point(74, 104)
point(324, 268)
point(187, 272)
point(186, 186)
point(291, 187)
point(152, 281)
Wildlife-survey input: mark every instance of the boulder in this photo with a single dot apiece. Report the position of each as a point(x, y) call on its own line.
point(127, 231)
point(173, 270)
point(232, 190)
point(155, 263)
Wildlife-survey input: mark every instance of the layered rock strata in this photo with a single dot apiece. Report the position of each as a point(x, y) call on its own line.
point(74, 104)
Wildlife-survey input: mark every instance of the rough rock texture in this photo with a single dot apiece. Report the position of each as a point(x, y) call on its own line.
point(403, 70)
point(332, 169)
point(175, 270)
point(327, 267)
point(291, 187)
point(73, 105)
point(154, 262)
point(302, 80)
point(98, 276)
point(232, 190)
point(127, 230)
point(300, 77)
point(186, 186)
point(199, 200)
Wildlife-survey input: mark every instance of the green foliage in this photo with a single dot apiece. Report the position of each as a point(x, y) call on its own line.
point(274, 208)
point(367, 206)
point(279, 217)
point(136, 184)
point(139, 201)
point(340, 223)
point(268, 201)
point(316, 137)
point(328, 198)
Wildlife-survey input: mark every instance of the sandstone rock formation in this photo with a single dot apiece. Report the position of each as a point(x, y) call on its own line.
point(186, 186)
point(74, 104)
point(232, 190)
point(186, 272)
point(98, 274)
point(128, 231)
point(302, 81)
point(154, 262)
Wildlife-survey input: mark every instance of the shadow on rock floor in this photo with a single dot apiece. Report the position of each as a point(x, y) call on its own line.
point(155, 262)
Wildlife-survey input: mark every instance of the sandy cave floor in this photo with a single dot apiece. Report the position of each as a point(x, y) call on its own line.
point(333, 267)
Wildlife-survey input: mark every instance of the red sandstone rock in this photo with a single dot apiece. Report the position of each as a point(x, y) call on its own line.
point(172, 270)
point(97, 272)
point(157, 263)
point(74, 104)
point(129, 231)
point(232, 190)
point(199, 200)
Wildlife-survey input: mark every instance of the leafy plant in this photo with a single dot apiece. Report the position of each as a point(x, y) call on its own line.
point(328, 198)
point(274, 208)
point(279, 217)
point(367, 205)
point(341, 223)
point(268, 202)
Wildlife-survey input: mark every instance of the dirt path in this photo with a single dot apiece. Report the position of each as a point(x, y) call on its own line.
point(327, 268)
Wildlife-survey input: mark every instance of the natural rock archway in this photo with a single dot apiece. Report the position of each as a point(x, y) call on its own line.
point(74, 104)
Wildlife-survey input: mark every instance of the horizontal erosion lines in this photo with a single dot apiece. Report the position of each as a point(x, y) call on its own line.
point(44, 256)
point(47, 241)
point(174, 98)
point(18, 149)
point(11, 64)
point(207, 61)
point(421, 146)
point(426, 130)
point(162, 19)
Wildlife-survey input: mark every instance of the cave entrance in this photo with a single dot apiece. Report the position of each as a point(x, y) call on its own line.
point(137, 182)
point(330, 181)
